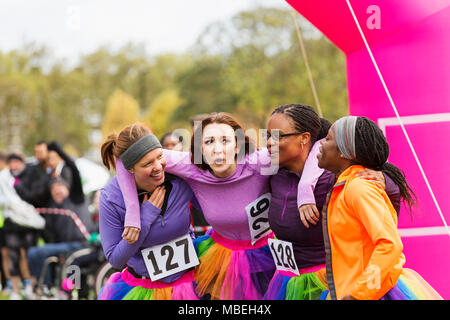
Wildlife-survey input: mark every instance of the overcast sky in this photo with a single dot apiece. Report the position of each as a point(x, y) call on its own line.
point(71, 27)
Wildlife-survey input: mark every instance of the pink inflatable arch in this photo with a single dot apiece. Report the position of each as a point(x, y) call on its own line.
point(411, 44)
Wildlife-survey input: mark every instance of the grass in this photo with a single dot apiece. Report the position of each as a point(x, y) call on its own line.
point(4, 296)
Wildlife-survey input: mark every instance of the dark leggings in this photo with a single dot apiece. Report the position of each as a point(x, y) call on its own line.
point(15, 238)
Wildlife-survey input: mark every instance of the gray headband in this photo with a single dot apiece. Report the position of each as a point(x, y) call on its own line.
point(344, 134)
point(139, 149)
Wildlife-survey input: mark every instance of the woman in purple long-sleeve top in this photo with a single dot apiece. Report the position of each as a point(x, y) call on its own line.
point(300, 257)
point(154, 273)
point(231, 183)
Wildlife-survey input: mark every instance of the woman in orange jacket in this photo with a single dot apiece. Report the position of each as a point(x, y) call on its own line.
point(364, 258)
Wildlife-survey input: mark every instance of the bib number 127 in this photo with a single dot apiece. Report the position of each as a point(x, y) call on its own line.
point(169, 258)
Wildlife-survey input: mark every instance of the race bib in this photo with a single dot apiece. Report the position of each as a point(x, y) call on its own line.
point(258, 217)
point(283, 255)
point(169, 258)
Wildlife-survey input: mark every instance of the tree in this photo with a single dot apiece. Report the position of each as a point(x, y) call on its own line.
point(202, 89)
point(246, 65)
point(160, 112)
point(252, 63)
point(121, 110)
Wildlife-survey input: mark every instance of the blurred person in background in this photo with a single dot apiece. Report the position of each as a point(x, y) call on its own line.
point(2, 236)
point(58, 167)
point(65, 168)
point(41, 155)
point(172, 142)
point(198, 218)
point(33, 183)
point(61, 234)
point(18, 239)
point(94, 207)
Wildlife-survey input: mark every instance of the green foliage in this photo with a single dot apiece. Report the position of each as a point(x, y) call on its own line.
point(160, 112)
point(121, 110)
point(202, 87)
point(246, 65)
point(252, 63)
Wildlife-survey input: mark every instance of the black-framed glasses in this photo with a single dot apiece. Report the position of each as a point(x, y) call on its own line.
point(267, 135)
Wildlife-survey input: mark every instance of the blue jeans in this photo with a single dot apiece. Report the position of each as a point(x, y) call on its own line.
point(37, 255)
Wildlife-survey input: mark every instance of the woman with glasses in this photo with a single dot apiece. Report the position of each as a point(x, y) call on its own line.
point(299, 251)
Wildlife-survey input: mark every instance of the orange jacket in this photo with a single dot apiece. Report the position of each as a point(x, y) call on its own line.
point(363, 246)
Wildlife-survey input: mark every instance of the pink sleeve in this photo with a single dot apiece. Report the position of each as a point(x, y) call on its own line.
point(129, 191)
point(310, 176)
point(260, 161)
point(179, 163)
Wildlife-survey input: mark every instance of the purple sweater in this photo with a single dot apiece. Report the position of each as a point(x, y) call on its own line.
point(156, 229)
point(223, 200)
point(285, 221)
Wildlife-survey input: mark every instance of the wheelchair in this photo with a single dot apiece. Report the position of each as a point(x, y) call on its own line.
point(79, 274)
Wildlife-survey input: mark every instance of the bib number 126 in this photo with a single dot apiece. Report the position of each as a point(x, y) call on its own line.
point(258, 217)
point(169, 258)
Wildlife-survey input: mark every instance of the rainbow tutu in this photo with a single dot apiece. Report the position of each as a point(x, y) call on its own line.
point(311, 284)
point(124, 286)
point(410, 286)
point(232, 269)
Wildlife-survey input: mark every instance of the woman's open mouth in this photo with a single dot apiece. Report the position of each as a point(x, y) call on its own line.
point(219, 161)
point(157, 176)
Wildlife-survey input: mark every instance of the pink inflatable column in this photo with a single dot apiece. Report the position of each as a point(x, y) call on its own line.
point(411, 44)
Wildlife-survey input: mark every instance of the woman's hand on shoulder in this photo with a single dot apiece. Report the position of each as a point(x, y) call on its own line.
point(373, 175)
point(309, 212)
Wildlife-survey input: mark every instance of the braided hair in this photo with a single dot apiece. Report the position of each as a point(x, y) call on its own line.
point(372, 151)
point(305, 119)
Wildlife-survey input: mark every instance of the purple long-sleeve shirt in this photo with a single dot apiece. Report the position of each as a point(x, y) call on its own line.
point(223, 200)
point(284, 216)
point(155, 229)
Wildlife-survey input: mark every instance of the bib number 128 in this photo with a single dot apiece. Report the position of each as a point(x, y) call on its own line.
point(169, 258)
point(283, 255)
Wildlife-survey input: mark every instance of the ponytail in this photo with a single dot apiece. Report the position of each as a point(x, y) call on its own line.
point(107, 151)
point(325, 126)
point(372, 151)
point(407, 194)
point(116, 144)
